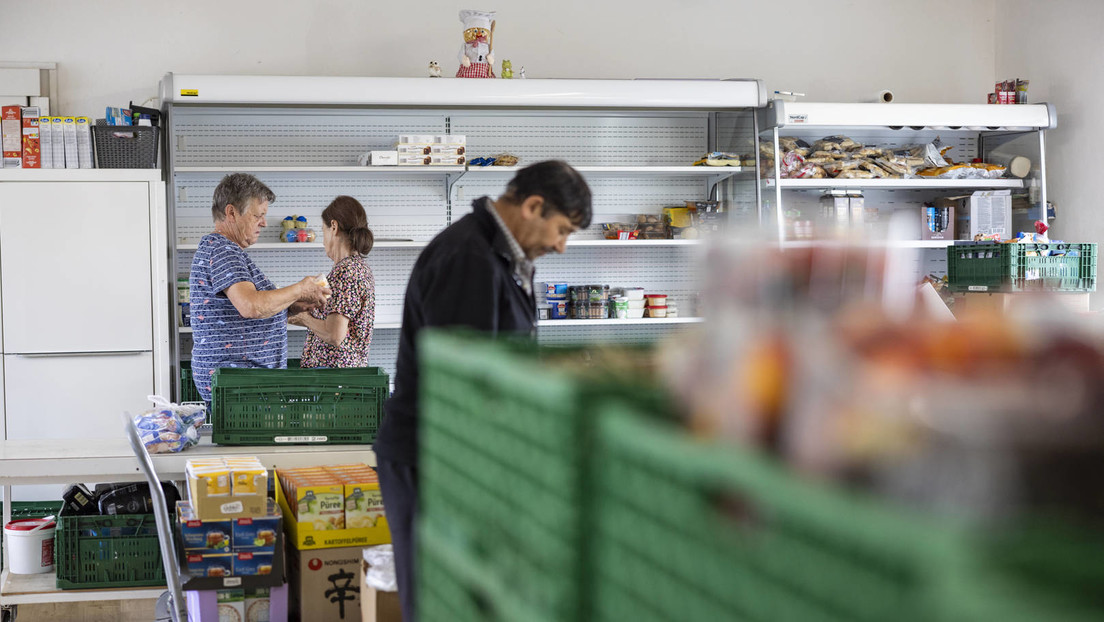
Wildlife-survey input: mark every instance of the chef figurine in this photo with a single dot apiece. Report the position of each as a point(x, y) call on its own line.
point(476, 55)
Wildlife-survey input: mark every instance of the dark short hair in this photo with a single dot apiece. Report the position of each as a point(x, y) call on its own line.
point(238, 189)
point(351, 221)
point(563, 189)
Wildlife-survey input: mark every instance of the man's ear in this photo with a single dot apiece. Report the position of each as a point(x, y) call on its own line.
point(229, 209)
point(533, 206)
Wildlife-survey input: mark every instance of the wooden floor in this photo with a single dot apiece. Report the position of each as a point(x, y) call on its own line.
point(103, 611)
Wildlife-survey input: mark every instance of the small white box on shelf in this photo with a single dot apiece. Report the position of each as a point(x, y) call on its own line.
point(383, 158)
point(69, 140)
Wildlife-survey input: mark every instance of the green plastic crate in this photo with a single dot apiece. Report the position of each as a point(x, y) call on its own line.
point(976, 267)
point(454, 587)
point(505, 457)
point(297, 406)
point(107, 552)
point(188, 390)
point(29, 509)
point(697, 531)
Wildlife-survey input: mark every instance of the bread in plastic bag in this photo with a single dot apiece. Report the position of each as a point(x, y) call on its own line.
point(170, 427)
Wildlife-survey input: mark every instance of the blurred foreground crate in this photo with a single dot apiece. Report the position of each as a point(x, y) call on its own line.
point(505, 452)
point(701, 531)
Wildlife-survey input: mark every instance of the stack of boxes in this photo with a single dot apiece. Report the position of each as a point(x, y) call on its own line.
point(228, 525)
point(34, 141)
point(332, 513)
point(422, 150)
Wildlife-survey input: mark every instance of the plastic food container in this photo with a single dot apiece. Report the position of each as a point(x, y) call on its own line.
point(544, 313)
point(558, 309)
point(634, 293)
point(636, 314)
point(636, 304)
point(30, 543)
point(620, 308)
point(657, 311)
point(555, 289)
point(656, 300)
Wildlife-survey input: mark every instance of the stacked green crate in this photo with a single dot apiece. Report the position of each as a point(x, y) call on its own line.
point(691, 530)
point(297, 406)
point(505, 464)
point(188, 390)
point(1019, 267)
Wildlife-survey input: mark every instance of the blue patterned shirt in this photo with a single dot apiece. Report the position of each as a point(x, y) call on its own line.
point(221, 337)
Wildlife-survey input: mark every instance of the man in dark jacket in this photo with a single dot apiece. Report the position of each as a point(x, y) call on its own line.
point(477, 273)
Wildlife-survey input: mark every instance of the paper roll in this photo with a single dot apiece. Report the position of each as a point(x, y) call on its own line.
point(882, 97)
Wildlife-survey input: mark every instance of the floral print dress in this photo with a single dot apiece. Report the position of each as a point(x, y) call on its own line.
point(354, 296)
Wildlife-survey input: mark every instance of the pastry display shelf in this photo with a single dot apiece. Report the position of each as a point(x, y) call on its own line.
point(63, 461)
point(895, 184)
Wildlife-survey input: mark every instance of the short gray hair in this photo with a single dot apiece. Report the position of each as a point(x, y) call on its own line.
point(238, 189)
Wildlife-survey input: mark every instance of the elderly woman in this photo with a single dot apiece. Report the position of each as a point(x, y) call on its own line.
point(340, 332)
point(239, 318)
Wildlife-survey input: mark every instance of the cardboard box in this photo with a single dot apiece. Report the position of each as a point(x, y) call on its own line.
point(11, 133)
point(210, 564)
point(938, 222)
point(69, 141)
point(251, 563)
point(199, 536)
point(231, 604)
point(375, 605)
point(305, 535)
point(384, 158)
point(32, 149)
point(57, 143)
point(325, 583)
point(257, 533)
point(229, 488)
point(989, 212)
point(257, 605)
point(84, 142)
point(46, 142)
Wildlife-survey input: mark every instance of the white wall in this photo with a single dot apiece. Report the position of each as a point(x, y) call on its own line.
point(113, 51)
point(1057, 46)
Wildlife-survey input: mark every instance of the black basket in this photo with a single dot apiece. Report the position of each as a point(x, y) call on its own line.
point(125, 146)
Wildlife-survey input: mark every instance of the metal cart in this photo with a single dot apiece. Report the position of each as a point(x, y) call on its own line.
point(171, 606)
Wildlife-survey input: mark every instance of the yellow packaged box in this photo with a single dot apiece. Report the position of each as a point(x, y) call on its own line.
point(212, 491)
point(305, 535)
point(363, 499)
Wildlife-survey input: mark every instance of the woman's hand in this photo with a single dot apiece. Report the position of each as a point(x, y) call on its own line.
point(299, 319)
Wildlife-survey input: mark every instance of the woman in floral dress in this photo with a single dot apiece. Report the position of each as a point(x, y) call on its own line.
point(339, 333)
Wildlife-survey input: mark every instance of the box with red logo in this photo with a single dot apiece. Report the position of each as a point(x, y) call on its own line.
point(32, 149)
point(257, 533)
point(11, 134)
point(325, 582)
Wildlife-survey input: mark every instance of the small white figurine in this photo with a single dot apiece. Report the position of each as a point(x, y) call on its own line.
point(434, 69)
point(521, 73)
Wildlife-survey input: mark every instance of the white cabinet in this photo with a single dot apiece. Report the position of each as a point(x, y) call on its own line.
point(74, 395)
point(75, 267)
point(84, 288)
